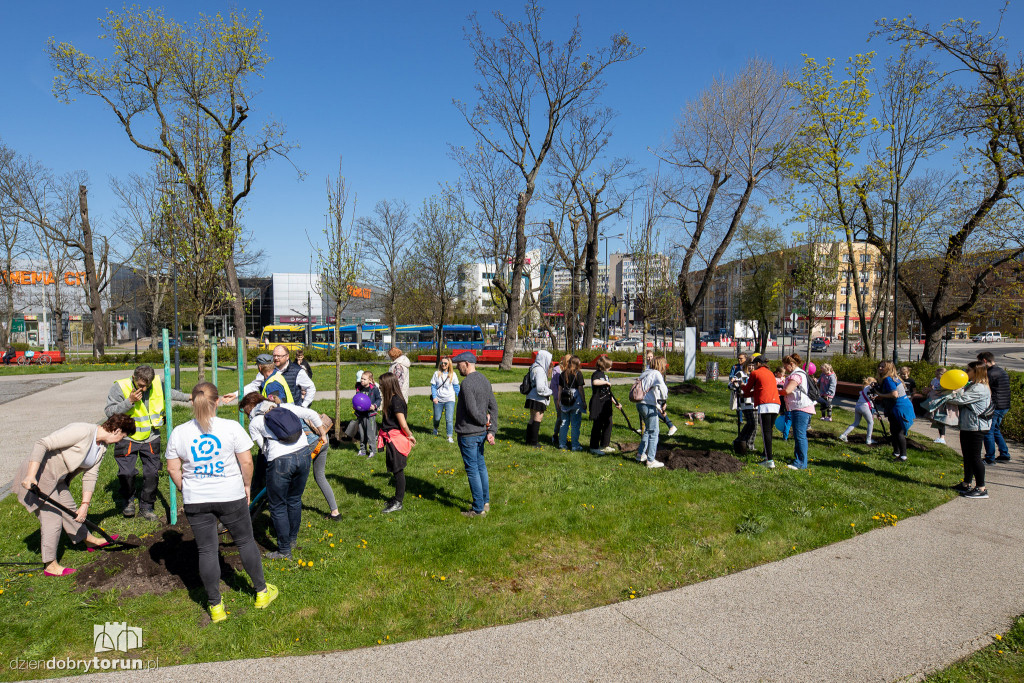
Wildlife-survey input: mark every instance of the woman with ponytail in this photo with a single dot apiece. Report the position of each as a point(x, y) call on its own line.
point(210, 460)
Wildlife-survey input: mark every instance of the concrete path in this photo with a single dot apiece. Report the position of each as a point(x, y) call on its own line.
point(888, 605)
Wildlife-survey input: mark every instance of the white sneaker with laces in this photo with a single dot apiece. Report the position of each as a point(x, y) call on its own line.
point(654, 464)
point(451, 440)
point(672, 430)
point(941, 439)
point(610, 449)
point(842, 437)
point(362, 452)
point(770, 464)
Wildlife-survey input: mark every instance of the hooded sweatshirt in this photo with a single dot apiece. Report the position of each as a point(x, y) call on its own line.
point(541, 390)
point(400, 368)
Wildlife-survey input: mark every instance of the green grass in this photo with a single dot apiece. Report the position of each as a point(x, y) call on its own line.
point(1003, 660)
point(567, 531)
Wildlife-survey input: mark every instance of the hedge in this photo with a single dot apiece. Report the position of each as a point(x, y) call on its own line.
point(227, 356)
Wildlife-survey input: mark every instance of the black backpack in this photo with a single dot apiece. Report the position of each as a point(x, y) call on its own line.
point(283, 424)
point(526, 386)
point(567, 391)
point(813, 391)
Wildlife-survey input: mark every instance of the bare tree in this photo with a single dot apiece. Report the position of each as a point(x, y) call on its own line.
point(336, 260)
point(519, 69)
point(761, 248)
point(179, 80)
point(438, 259)
point(814, 266)
point(12, 240)
point(729, 143)
point(384, 239)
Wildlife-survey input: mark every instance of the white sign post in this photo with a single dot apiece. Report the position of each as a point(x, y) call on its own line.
point(690, 353)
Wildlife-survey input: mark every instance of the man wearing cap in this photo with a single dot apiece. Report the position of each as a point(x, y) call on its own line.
point(272, 381)
point(476, 422)
point(141, 397)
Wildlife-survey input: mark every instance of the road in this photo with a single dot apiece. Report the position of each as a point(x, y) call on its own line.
point(1008, 355)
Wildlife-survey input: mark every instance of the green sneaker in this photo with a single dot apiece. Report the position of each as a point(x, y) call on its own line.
point(265, 597)
point(217, 612)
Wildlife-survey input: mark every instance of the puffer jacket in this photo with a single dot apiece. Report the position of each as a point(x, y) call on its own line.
point(541, 390)
point(827, 385)
point(975, 399)
point(999, 384)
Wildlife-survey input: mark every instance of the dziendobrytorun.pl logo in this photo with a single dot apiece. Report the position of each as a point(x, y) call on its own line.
point(109, 637)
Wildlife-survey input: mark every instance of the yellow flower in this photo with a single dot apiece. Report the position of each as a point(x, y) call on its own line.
point(998, 637)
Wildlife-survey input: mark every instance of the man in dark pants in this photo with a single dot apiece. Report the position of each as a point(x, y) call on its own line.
point(141, 397)
point(999, 385)
point(476, 423)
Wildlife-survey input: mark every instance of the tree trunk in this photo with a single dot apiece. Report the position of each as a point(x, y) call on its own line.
point(932, 351)
point(201, 347)
point(337, 374)
point(591, 268)
point(238, 302)
point(515, 304)
point(99, 322)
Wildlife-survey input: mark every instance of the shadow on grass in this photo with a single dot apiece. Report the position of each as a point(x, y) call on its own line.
point(180, 558)
point(421, 487)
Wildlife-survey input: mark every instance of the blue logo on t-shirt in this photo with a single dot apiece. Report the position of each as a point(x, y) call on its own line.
point(206, 447)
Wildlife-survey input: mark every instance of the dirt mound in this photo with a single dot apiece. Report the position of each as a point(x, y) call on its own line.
point(685, 388)
point(703, 461)
point(878, 438)
point(164, 561)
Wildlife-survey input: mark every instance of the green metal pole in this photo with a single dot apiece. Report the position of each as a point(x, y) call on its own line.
point(213, 362)
point(169, 422)
point(241, 376)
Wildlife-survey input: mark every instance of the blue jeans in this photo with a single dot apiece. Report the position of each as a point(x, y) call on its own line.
point(286, 480)
point(648, 449)
point(472, 448)
point(449, 415)
point(570, 418)
point(558, 423)
point(994, 437)
point(800, 421)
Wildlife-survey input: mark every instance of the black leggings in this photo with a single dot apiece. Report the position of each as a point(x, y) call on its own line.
point(601, 431)
point(203, 517)
point(767, 425)
point(974, 467)
point(899, 435)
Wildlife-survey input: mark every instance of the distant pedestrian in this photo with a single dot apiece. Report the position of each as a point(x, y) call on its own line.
point(601, 403)
point(395, 437)
point(800, 407)
point(9, 355)
point(539, 397)
point(476, 423)
point(444, 389)
point(300, 360)
point(573, 400)
point(973, 400)
point(999, 383)
point(400, 368)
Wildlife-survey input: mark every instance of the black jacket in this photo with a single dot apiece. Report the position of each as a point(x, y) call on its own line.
point(999, 384)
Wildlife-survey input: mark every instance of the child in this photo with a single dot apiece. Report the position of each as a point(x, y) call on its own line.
point(555, 386)
point(368, 418)
point(662, 414)
point(946, 414)
point(395, 436)
point(319, 456)
point(783, 421)
point(865, 408)
point(572, 382)
point(827, 384)
point(745, 439)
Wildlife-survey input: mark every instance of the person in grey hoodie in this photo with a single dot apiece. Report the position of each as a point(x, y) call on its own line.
point(400, 368)
point(539, 396)
point(974, 399)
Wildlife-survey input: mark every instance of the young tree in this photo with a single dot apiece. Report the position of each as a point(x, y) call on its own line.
point(730, 142)
point(814, 268)
point(336, 260)
point(761, 247)
point(521, 72)
point(385, 241)
point(438, 260)
point(177, 80)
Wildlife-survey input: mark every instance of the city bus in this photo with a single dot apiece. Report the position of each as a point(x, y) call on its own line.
point(375, 336)
point(292, 337)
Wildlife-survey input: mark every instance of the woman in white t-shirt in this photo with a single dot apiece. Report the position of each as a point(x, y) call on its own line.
point(444, 390)
point(210, 460)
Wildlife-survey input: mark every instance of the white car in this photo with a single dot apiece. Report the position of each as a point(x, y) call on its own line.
point(630, 344)
point(988, 337)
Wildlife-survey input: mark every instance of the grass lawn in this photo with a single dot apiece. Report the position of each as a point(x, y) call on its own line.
point(1003, 660)
point(567, 531)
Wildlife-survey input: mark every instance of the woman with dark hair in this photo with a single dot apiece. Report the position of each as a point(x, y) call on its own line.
point(210, 460)
point(893, 397)
point(56, 459)
point(974, 399)
point(601, 403)
point(394, 436)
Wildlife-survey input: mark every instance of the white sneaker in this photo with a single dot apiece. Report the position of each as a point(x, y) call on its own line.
point(451, 440)
point(793, 467)
point(869, 442)
point(610, 449)
point(362, 452)
point(672, 430)
point(654, 464)
point(770, 464)
point(941, 439)
point(842, 437)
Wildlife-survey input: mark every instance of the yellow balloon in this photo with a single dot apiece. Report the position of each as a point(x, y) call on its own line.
point(953, 379)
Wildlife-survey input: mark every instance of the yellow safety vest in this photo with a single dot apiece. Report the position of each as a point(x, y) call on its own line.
point(278, 378)
point(147, 415)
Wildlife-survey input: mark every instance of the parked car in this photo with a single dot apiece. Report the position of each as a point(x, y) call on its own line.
point(819, 346)
point(630, 344)
point(988, 337)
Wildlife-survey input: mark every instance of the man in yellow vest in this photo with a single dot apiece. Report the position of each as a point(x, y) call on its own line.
point(141, 397)
point(270, 382)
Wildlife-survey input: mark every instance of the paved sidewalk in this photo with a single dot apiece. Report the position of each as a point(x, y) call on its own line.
point(888, 605)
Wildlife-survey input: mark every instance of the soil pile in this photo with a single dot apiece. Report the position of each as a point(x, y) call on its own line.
point(704, 461)
point(164, 561)
point(685, 388)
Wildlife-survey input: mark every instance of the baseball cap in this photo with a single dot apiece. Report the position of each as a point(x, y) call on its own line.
point(264, 359)
point(465, 357)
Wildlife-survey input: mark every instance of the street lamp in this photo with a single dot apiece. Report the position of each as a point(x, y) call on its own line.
point(607, 280)
point(894, 268)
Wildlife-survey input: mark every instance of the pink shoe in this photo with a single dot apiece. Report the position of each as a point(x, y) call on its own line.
point(68, 571)
point(94, 548)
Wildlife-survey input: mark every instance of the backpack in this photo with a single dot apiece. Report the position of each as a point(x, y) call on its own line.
point(813, 392)
point(283, 424)
point(526, 386)
point(636, 392)
point(567, 392)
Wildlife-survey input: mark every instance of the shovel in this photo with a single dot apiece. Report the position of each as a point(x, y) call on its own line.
point(619, 406)
point(92, 526)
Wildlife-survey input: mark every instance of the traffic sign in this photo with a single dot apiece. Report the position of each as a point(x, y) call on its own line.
point(793, 317)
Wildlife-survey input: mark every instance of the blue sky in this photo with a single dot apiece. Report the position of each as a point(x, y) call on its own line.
point(374, 83)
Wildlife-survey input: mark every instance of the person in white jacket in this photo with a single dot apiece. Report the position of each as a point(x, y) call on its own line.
point(539, 396)
point(444, 389)
point(652, 381)
point(400, 369)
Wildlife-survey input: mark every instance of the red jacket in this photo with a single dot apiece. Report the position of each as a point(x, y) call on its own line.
point(762, 387)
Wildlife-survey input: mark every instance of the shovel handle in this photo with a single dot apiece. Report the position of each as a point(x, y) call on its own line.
point(92, 526)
